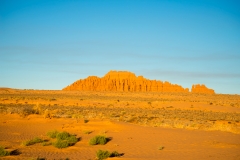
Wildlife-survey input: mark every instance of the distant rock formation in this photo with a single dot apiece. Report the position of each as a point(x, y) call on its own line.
point(201, 89)
point(125, 81)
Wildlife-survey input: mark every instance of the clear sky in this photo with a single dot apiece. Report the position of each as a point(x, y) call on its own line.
point(48, 44)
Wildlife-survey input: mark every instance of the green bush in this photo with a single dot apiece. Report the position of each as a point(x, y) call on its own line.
point(3, 152)
point(61, 144)
point(32, 141)
point(72, 140)
point(52, 134)
point(64, 139)
point(103, 154)
point(98, 140)
point(63, 135)
point(115, 154)
point(46, 143)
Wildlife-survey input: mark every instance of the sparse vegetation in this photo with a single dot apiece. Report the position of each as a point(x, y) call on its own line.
point(161, 148)
point(163, 114)
point(188, 111)
point(46, 143)
point(62, 135)
point(87, 132)
point(32, 141)
point(63, 139)
point(47, 114)
point(115, 154)
point(61, 144)
point(26, 111)
point(101, 154)
point(52, 134)
point(86, 120)
point(3, 152)
point(98, 140)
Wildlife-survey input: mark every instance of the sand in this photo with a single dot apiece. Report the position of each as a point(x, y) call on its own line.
point(141, 125)
point(134, 141)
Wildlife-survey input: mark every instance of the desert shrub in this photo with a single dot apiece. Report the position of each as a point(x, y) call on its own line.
point(77, 116)
point(32, 141)
point(37, 109)
point(62, 135)
point(98, 140)
point(64, 139)
point(52, 134)
point(26, 111)
point(47, 114)
point(161, 148)
point(3, 152)
point(86, 121)
point(115, 154)
point(61, 144)
point(46, 143)
point(72, 140)
point(103, 154)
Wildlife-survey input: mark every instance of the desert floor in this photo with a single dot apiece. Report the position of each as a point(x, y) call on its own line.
point(140, 125)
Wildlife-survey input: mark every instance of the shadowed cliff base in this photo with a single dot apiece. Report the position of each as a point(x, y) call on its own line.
point(127, 81)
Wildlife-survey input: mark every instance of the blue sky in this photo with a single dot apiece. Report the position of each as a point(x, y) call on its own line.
point(50, 44)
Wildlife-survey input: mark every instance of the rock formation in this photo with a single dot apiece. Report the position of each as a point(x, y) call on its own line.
point(126, 81)
point(201, 89)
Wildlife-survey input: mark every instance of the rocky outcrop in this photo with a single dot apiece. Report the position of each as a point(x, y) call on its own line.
point(124, 81)
point(201, 89)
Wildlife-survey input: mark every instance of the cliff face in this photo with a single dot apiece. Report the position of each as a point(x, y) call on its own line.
point(123, 81)
point(201, 89)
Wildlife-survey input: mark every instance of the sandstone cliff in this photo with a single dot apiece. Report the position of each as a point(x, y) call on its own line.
point(201, 89)
point(125, 81)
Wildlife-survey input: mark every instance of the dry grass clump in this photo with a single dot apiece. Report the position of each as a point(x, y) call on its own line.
point(58, 140)
point(98, 140)
point(85, 120)
point(63, 139)
point(26, 111)
point(87, 132)
point(52, 134)
point(47, 114)
point(37, 109)
point(3, 152)
point(32, 141)
point(101, 154)
point(161, 148)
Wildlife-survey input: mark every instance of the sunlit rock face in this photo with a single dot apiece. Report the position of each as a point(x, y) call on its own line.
point(201, 89)
point(128, 82)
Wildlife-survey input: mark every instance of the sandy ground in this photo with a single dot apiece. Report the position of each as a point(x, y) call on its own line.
point(134, 141)
point(134, 122)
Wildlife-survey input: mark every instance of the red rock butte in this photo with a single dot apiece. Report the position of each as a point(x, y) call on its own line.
point(127, 81)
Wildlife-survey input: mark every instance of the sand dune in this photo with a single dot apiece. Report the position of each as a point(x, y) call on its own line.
point(136, 142)
point(149, 125)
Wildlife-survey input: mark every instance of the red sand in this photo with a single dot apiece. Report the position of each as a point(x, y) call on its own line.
point(136, 142)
